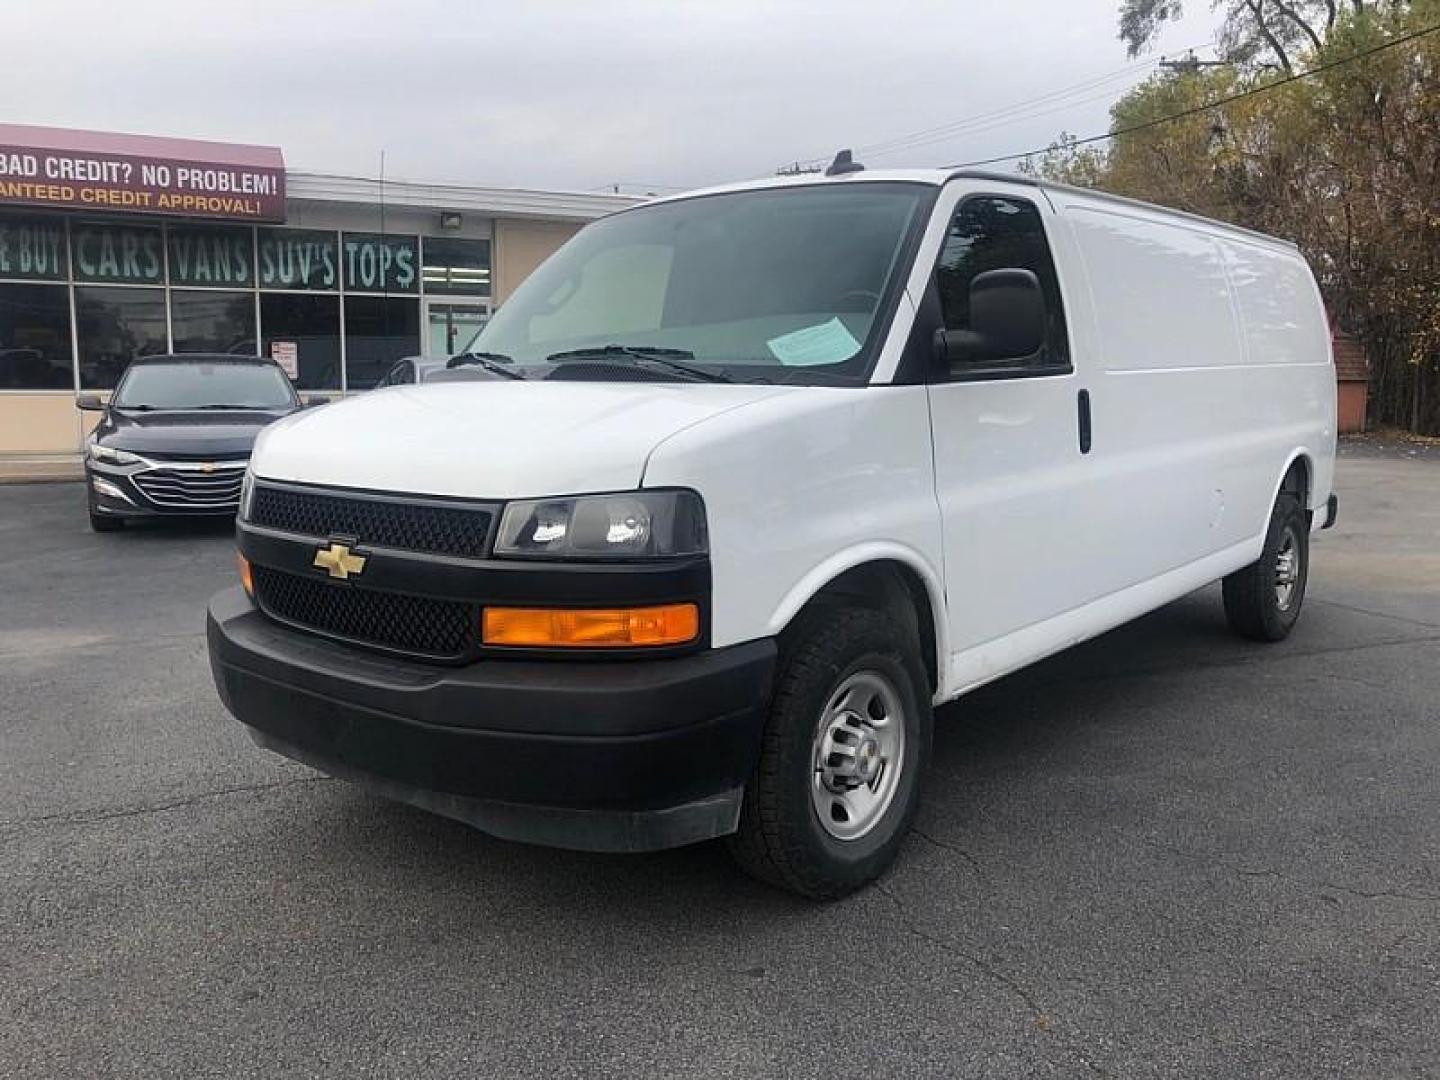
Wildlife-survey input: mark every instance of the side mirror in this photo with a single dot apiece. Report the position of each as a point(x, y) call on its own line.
point(1007, 320)
point(90, 403)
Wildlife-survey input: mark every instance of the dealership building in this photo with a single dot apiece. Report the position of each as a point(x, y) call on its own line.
point(117, 246)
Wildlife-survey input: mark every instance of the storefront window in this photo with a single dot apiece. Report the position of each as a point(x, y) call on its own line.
point(117, 325)
point(457, 266)
point(376, 262)
point(213, 256)
point(213, 321)
point(311, 324)
point(35, 338)
point(113, 254)
point(32, 248)
point(378, 331)
point(298, 259)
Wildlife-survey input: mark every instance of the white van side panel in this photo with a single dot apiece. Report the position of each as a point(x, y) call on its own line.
point(1207, 383)
point(802, 487)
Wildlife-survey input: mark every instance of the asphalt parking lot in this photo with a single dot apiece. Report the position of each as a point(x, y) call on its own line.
point(1167, 852)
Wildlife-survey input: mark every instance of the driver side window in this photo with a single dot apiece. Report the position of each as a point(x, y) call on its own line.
point(990, 232)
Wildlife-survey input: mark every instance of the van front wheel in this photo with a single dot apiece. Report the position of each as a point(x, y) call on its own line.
point(1263, 600)
point(844, 747)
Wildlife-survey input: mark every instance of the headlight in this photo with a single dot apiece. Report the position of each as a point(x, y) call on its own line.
point(247, 494)
point(635, 525)
point(112, 456)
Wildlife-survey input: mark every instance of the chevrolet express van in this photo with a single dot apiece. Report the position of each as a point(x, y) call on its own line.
point(752, 480)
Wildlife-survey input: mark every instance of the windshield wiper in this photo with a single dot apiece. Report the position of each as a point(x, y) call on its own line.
point(645, 356)
point(246, 408)
point(492, 362)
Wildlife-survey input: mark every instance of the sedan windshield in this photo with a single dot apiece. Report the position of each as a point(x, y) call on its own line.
point(776, 285)
point(200, 385)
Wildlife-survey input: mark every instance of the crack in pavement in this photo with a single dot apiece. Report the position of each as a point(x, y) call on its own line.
point(1374, 614)
point(159, 808)
point(1231, 866)
point(950, 845)
point(1041, 1019)
point(1383, 894)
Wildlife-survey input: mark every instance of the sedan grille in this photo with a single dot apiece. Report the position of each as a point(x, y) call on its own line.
point(438, 629)
point(192, 489)
point(459, 530)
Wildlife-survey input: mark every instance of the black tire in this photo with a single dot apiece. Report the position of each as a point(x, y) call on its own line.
point(101, 523)
point(781, 839)
point(1253, 604)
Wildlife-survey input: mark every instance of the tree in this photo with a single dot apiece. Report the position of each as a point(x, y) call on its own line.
point(1346, 163)
point(1254, 33)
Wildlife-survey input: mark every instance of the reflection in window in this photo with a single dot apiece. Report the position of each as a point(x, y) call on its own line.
point(220, 322)
point(312, 323)
point(117, 325)
point(378, 331)
point(457, 266)
point(991, 233)
point(35, 338)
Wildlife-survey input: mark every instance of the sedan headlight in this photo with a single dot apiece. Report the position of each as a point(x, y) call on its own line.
point(247, 495)
point(111, 456)
point(633, 525)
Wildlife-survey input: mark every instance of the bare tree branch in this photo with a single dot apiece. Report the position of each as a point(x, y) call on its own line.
point(1295, 17)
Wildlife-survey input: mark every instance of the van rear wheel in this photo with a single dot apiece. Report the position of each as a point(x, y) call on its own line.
point(1263, 600)
point(844, 747)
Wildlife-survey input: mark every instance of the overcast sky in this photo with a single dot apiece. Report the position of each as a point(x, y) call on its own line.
point(573, 94)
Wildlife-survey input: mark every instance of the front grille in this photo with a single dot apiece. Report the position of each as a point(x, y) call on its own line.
point(192, 489)
point(441, 629)
point(378, 522)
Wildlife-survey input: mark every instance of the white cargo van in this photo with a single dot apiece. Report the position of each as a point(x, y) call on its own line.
point(744, 482)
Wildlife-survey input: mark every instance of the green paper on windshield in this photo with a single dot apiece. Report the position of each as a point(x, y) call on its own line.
point(827, 343)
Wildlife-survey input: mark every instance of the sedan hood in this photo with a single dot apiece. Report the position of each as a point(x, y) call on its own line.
point(195, 433)
point(493, 440)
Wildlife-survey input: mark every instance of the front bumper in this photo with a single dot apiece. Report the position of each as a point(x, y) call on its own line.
point(629, 755)
point(163, 488)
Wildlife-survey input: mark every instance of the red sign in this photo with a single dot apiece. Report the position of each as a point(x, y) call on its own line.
point(91, 170)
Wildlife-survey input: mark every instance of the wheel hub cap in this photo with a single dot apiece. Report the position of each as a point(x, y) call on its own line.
point(858, 754)
point(1287, 570)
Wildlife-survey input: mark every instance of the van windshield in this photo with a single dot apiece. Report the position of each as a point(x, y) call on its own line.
point(776, 285)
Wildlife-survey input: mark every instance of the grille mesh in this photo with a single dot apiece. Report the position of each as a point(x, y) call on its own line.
point(444, 629)
point(191, 489)
point(443, 530)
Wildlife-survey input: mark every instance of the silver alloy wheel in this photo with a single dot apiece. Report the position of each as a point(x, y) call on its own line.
point(1287, 570)
point(859, 755)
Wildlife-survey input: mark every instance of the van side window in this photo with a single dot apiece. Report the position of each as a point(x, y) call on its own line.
point(989, 232)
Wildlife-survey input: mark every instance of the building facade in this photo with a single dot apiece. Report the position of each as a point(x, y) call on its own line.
point(113, 247)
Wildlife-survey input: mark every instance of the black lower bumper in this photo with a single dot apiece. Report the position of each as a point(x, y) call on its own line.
point(592, 754)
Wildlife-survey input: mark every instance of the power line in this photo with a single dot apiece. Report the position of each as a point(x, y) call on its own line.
point(1211, 104)
point(1003, 114)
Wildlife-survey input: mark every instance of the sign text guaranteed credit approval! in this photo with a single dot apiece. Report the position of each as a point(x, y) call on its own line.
point(121, 182)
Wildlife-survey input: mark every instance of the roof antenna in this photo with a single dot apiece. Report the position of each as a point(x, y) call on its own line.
point(844, 163)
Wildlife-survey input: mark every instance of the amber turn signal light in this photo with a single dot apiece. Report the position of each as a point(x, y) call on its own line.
point(246, 579)
point(568, 628)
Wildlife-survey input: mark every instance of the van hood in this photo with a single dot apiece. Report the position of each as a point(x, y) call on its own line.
point(492, 440)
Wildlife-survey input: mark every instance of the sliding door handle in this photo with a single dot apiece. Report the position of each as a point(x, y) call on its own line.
point(1084, 407)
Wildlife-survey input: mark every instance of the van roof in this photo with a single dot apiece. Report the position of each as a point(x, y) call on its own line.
point(939, 177)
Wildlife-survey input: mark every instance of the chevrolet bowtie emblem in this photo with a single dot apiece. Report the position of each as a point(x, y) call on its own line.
point(339, 561)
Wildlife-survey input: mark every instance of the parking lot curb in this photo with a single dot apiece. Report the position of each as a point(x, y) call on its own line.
point(40, 468)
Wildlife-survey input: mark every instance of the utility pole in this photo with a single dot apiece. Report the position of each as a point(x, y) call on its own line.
point(1190, 63)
